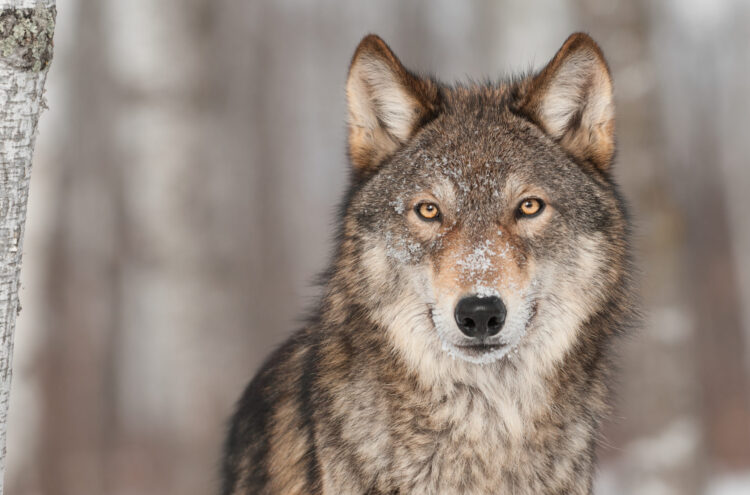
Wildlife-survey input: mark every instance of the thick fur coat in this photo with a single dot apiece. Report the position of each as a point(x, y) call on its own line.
point(500, 192)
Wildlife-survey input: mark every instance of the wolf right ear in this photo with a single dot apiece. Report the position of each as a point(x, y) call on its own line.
point(387, 104)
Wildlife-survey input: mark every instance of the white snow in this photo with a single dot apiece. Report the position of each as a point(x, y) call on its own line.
point(478, 261)
point(398, 206)
point(730, 484)
point(667, 449)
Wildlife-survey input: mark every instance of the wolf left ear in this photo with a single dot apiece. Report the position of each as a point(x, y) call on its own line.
point(571, 99)
point(387, 104)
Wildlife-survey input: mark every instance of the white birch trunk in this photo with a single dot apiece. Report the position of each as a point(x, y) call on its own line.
point(26, 28)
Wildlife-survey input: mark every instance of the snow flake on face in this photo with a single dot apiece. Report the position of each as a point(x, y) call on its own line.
point(453, 171)
point(402, 249)
point(398, 206)
point(486, 291)
point(478, 262)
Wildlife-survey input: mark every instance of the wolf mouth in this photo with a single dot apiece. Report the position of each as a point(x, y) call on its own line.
point(482, 352)
point(480, 349)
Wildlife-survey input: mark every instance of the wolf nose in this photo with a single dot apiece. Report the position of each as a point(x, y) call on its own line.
point(480, 317)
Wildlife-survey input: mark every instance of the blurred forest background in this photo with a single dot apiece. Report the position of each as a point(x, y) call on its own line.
point(166, 253)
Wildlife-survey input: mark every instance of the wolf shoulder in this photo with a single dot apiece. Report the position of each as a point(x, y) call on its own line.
point(271, 411)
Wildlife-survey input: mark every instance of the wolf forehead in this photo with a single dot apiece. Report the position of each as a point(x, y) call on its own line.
point(479, 153)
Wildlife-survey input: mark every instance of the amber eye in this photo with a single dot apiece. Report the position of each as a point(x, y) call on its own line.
point(427, 211)
point(530, 207)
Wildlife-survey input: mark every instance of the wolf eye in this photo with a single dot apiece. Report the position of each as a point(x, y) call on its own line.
point(530, 207)
point(427, 211)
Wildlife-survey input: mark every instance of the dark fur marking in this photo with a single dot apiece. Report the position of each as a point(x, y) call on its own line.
point(307, 409)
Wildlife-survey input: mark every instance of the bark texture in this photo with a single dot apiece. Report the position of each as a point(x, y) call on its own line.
point(26, 30)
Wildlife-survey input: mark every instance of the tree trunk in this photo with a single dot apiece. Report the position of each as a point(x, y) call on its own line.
point(26, 28)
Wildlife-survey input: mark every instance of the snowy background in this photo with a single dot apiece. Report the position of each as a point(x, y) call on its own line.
point(183, 196)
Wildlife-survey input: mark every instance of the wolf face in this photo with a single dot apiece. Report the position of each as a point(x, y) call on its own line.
point(483, 210)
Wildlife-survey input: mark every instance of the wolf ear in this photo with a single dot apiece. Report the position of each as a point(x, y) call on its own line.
point(571, 99)
point(387, 104)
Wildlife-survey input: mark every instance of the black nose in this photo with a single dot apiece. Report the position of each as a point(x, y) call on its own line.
point(479, 317)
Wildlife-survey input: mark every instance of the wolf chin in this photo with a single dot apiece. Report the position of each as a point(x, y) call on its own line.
point(481, 275)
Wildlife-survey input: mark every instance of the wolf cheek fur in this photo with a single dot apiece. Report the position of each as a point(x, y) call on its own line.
point(480, 275)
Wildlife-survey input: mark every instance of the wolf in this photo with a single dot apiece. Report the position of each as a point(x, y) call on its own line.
point(481, 276)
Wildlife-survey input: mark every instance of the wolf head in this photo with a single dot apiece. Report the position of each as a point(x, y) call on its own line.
point(483, 219)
